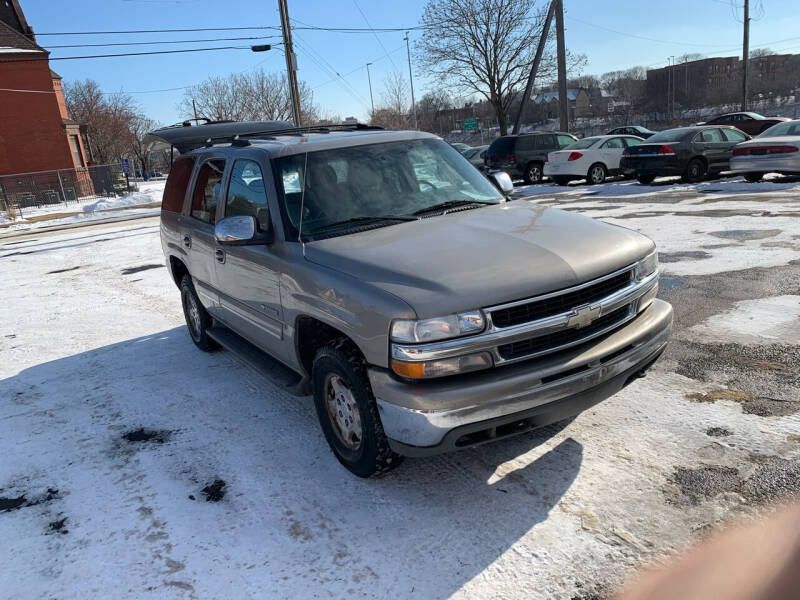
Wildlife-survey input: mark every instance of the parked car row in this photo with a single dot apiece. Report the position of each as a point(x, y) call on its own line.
point(692, 152)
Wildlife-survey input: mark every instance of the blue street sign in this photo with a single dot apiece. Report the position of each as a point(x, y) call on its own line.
point(126, 166)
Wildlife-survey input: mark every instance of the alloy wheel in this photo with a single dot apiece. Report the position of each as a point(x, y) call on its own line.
point(343, 412)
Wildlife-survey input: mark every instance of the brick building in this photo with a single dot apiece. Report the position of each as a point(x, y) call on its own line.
point(718, 80)
point(36, 133)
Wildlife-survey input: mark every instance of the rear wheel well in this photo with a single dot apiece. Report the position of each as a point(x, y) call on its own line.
point(178, 270)
point(311, 335)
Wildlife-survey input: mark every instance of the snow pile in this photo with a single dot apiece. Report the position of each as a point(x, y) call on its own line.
point(760, 321)
point(87, 210)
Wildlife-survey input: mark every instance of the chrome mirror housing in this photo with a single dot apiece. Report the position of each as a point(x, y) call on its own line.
point(240, 229)
point(502, 181)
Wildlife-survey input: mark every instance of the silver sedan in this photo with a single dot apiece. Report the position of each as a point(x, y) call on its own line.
point(776, 150)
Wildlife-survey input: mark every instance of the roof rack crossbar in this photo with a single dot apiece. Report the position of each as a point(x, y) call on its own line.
point(274, 133)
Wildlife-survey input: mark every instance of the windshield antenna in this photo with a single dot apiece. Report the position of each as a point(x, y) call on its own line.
point(302, 204)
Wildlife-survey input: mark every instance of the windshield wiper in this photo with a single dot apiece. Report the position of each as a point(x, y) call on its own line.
point(363, 221)
point(449, 204)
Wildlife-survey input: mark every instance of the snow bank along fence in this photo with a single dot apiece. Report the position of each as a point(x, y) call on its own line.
point(20, 191)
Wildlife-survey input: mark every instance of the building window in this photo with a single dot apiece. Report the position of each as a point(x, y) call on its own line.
point(77, 157)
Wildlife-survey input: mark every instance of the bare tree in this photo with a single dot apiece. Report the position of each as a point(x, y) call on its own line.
point(107, 117)
point(760, 52)
point(430, 109)
point(485, 47)
point(140, 126)
point(392, 113)
point(246, 96)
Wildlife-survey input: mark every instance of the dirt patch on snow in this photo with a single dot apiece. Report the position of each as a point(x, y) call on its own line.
point(158, 436)
point(214, 492)
point(668, 257)
point(63, 270)
point(752, 405)
point(746, 234)
point(9, 504)
point(718, 432)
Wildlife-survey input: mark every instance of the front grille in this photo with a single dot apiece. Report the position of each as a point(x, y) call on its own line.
point(560, 338)
point(539, 309)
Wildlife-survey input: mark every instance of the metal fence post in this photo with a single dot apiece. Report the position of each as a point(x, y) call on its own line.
point(61, 185)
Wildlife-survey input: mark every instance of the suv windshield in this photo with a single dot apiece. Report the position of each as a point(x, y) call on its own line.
point(670, 135)
point(374, 185)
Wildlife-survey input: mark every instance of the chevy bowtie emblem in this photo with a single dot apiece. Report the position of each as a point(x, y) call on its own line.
point(583, 316)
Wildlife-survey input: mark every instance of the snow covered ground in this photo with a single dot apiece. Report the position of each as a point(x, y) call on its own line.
point(230, 491)
point(148, 192)
point(700, 229)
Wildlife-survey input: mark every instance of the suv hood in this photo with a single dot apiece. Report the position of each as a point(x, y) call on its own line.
point(481, 257)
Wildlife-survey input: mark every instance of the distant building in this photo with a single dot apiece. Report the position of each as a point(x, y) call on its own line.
point(718, 80)
point(36, 133)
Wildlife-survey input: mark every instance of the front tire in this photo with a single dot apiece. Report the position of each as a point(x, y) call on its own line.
point(198, 321)
point(646, 179)
point(753, 177)
point(597, 174)
point(532, 173)
point(347, 411)
point(695, 171)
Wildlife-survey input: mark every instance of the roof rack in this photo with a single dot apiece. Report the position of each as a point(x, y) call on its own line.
point(185, 137)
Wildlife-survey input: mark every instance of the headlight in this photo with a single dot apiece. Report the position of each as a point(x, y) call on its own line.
point(442, 366)
point(439, 328)
point(647, 266)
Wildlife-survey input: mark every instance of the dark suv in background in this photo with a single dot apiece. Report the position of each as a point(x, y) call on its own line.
point(524, 155)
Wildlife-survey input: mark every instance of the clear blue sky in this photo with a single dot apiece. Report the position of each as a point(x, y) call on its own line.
point(705, 26)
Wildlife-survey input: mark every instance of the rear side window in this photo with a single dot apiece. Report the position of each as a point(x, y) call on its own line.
point(207, 191)
point(246, 193)
point(526, 142)
point(709, 136)
point(733, 135)
point(613, 143)
point(544, 141)
point(175, 190)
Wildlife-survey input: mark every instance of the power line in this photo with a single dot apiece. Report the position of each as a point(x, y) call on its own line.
point(17, 60)
point(359, 68)
point(641, 37)
point(124, 31)
point(375, 34)
point(268, 37)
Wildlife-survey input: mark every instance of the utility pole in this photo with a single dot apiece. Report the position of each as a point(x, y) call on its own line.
point(672, 98)
point(291, 60)
point(534, 67)
point(745, 52)
point(371, 101)
point(668, 84)
point(411, 79)
point(194, 110)
point(563, 104)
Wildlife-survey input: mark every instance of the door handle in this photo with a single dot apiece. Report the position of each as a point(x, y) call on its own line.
point(219, 253)
point(187, 241)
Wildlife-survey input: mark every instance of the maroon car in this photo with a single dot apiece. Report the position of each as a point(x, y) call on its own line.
point(750, 123)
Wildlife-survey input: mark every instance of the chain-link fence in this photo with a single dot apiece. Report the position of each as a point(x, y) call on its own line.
point(30, 192)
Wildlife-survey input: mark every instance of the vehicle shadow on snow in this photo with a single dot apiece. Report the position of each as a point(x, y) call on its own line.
point(425, 530)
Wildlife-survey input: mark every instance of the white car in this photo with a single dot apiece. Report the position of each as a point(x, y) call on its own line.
point(592, 158)
point(775, 150)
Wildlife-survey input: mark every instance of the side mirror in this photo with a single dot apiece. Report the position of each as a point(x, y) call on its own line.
point(502, 182)
point(240, 230)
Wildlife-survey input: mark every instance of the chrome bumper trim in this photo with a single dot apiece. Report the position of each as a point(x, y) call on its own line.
point(495, 336)
point(421, 414)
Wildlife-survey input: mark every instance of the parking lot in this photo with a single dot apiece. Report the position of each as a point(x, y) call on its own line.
point(139, 464)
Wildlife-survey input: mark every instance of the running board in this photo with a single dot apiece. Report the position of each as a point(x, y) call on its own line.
point(276, 372)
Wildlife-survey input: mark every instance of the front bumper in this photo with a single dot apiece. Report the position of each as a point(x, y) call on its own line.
point(440, 415)
point(765, 164)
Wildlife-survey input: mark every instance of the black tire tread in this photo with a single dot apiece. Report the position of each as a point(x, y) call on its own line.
point(385, 458)
point(206, 344)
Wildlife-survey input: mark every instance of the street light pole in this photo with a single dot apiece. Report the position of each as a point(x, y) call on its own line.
point(745, 52)
point(371, 101)
point(291, 60)
point(411, 79)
